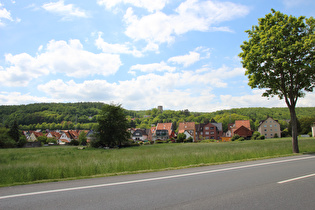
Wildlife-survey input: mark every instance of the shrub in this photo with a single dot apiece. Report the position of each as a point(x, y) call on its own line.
point(42, 139)
point(255, 135)
point(261, 137)
point(22, 141)
point(235, 137)
point(276, 136)
point(240, 139)
point(74, 142)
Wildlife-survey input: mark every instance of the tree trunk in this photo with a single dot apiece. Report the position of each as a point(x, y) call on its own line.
point(295, 144)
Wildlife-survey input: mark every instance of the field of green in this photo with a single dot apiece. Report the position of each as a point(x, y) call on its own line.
point(45, 164)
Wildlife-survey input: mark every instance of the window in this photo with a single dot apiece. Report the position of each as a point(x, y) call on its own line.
point(207, 133)
point(265, 126)
point(212, 128)
point(212, 133)
point(270, 126)
point(207, 128)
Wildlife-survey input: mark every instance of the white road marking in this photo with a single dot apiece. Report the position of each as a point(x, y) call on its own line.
point(295, 179)
point(153, 179)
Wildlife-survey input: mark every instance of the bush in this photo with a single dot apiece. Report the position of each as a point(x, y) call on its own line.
point(74, 142)
point(255, 135)
point(22, 141)
point(235, 137)
point(276, 136)
point(6, 141)
point(240, 139)
point(42, 139)
point(261, 137)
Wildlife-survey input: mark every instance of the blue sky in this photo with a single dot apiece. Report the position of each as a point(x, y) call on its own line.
point(181, 54)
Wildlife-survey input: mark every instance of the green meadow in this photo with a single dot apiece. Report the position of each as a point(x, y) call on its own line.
point(45, 164)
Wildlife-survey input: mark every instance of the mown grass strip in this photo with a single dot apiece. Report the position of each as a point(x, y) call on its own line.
point(34, 165)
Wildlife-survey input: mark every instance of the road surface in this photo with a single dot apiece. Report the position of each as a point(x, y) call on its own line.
point(279, 183)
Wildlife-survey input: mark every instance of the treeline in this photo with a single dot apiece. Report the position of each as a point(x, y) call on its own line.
point(84, 116)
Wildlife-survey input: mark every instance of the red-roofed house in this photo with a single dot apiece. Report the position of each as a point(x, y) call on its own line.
point(164, 131)
point(34, 135)
point(188, 128)
point(242, 128)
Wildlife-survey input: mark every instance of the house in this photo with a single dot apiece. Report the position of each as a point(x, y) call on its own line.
point(64, 138)
point(187, 128)
point(208, 131)
point(140, 135)
point(313, 129)
point(151, 133)
point(163, 131)
point(241, 128)
point(74, 134)
point(90, 136)
point(34, 135)
point(269, 128)
point(53, 134)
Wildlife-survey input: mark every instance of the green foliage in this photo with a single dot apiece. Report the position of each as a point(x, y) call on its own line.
point(255, 135)
point(14, 132)
point(52, 116)
point(74, 142)
point(235, 137)
point(22, 141)
point(113, 126)
point(82, 138)
point(261, 137)
point(42, 139)
point(181, 137)
point(5, 139)
point(279, 58)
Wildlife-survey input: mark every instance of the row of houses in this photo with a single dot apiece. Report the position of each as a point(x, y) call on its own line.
point(164, 131)
point(61, 136)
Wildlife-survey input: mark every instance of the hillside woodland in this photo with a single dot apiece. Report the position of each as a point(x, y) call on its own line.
point(84, 116)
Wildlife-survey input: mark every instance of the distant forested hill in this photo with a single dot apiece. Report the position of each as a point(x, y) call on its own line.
point(84, 116)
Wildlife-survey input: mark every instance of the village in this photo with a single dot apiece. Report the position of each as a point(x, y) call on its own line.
point(162, 132)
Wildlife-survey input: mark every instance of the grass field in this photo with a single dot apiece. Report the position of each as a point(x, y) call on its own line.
point(33, 165)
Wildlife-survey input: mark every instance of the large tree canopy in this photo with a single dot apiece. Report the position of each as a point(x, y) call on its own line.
point(279, 57)
point(113, 126)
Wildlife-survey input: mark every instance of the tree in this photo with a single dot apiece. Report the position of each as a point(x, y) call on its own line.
point(112, 126)
point(82, 138)
point(181, 137)
point(14, 132)
point(279, 58)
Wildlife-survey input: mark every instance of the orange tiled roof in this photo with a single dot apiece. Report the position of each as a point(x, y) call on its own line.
point(184, 126)
point(240, 123)
point(165, 126)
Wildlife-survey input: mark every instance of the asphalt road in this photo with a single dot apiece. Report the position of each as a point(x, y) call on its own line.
point(280, 183)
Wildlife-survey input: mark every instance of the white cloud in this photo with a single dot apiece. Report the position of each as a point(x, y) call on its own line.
point(16, 98)
point(116, 48)
point(66, 11)
point(191, 15)
point(58, 57)
point(153, 67)
point(148, 5)
point(177, 90)
point(185, 60)
point(4, 14)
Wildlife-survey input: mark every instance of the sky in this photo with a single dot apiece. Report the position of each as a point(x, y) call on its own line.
point(180, 54)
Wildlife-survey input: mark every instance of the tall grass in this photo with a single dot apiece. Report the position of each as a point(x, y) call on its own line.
point(21, 166)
